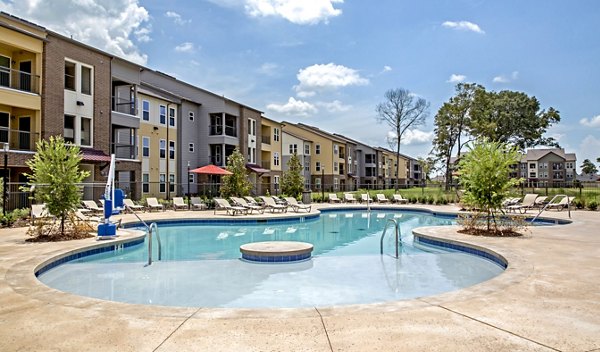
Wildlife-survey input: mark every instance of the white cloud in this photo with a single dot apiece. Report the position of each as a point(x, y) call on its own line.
point(454, 78)
point(334, 106)
point(295, 11)
point(411, 137)
point(177, 18)
point(463, 26)
point(506, 79)
point(386, 68)
point(268, 68)
point(110, 26)
point(588, 149)
point(294, 107)
point(329, 76)
point(592, 122)
point(186, 47)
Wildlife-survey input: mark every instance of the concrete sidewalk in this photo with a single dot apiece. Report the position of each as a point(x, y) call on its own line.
point(547, 299)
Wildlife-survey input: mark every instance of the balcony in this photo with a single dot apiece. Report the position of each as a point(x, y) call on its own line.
point(123, 105)
point(19, 80)
point(123, 151)
point(19, 140)
point(266, 165)
point(216, 160)
point(266, 139)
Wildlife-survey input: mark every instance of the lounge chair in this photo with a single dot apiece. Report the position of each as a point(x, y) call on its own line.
point(129, 204)
point(179, 203)
point(243, 203)
point(154, 204)
point(292, 202)
point(510, 201)
point(270, 204)
point(197, 203)
point(223, 204)
point(38, 212)
point(540, 202)
point(333, 198)
point(349, 198)
point(92, 206)
point(527, 203)
point(251, 201)
point(397, 198)
point(563, 203)
point(381, 198)
point(365, 197)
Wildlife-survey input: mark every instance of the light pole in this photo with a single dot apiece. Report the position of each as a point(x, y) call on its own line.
point(322, 183)
point(5, 179)
point(188, 183)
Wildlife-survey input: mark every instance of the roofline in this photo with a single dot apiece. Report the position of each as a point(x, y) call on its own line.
point(317, 131)
point(22, 31)
point(297, 136)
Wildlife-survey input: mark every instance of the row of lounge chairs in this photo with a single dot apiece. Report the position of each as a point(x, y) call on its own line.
point(533, 201)
point(248, 205)
point(365, 197)
point(151, 204)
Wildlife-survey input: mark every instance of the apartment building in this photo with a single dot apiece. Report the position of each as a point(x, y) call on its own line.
point(21, 63)
point(291, 144)
point(552, 167)
point(271, 155)
point(368, 164)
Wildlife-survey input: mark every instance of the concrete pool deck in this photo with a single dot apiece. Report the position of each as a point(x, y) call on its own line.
point(548, 299)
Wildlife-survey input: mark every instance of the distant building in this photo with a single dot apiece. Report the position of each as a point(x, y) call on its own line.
point(551, 167)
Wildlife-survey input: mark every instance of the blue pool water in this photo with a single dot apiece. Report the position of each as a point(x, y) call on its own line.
point(200, 265)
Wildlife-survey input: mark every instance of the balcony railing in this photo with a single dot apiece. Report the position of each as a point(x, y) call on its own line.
point(266, 139)
point(266, 165)
point(216, 160)
point(20, 80)
point(19, 140)
point(123, 105)
point(230, 131)
point(123, 151)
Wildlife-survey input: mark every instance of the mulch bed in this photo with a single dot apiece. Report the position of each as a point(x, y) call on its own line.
point(59, 238)
point(490, 233)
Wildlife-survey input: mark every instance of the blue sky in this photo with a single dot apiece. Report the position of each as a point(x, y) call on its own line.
point(328, 63)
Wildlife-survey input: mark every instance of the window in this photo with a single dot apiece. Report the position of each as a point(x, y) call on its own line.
point(336, 183)
point(86, 80)
point(543, 165)
point(276, 134)
point(532, 174)
point(306, 183)
point(191, 178)
point(532, 166)
point(191, 115)
point(69, 75)
point(145, 183)
point(162, 183)
point(307, 149)
point(318, 166)
point(162, 148)
point(69, 129)
point(318, 183)
point(293, 149)
point(216, 125)
point(4, 125)
point(335, 149)
point(318, 149)
point(307, 166)
point(276, 159)
point(276, 180)
point(335, 166)
point(145, 147)
point(162, 116)
point(145, 110)
point(86, 131)
point(171, 149)
point(191, 147)
point(172, 183)
point(252, 127)
point(172, 117)
point(5, 71)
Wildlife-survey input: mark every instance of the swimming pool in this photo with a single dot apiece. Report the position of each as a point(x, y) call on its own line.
point(200, 265)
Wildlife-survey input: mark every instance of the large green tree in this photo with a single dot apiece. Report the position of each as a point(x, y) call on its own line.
point(401, 110)
point(237, 184)
point(588, 167)
point(292, 182)
point(56, 173)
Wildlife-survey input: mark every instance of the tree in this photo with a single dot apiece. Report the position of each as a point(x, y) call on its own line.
point(451, 123)
point(401, 110)
point(292, 182)
point(588, 167)
point(511, 117)
point(55, 169)
point(484, 174)
point(237, 184)
point(427, 166)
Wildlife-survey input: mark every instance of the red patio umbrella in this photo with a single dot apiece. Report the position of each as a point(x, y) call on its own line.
point(211, 170)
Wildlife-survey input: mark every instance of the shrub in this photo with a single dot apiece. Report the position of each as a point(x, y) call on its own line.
point(593, 205)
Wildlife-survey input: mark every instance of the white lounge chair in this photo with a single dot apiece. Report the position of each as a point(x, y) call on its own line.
point(251, 200)
point(349, 198)
point(92, 206)
point(333, 198)
point(129, 204)
point(381, 198)
point(154, 204)
point(270, 204)
point(563, 203)
point(39, 212)
point(397, 198)
point(365, 197)
point(179, 203)
point(292, 202)
point(197, 203)
point(243, 203)
point(223, 204)
point(527, 203)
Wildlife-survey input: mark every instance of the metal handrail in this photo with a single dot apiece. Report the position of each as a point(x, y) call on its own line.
point(150, 229)
point(398, 241)
point(550, 202)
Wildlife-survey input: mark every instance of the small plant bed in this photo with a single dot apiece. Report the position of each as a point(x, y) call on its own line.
point(50, 231)
point(490, 233)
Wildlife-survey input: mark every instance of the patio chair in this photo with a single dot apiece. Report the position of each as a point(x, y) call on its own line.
point(154, 204)
point(251, 201)
point(381, 198)
point(92, 206)
point(540, 202)
point(243, 203)
point(223, 204)
point(365, 197)
point(296, 207)
point(397, 198)
point(270, 204)
point(563, 203)
point(129, 204)
point(527, 203)
point(333, 198)
point(510, 201)
point(179, 203)
point(38, 212)
point(197, 203)
point(349, 198)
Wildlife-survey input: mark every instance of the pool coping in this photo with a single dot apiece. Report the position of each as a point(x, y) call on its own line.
point(523, 270)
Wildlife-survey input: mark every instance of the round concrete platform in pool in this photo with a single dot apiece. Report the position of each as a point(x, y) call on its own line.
point(276, 251)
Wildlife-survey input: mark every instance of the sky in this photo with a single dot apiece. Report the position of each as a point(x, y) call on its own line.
point(328, 63)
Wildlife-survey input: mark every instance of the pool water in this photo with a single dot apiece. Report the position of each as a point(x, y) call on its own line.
point(200, 265)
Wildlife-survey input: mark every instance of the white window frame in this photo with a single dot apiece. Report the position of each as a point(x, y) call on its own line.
point(318, 166)
point(276, 134)
point(162, 146)
point(191, 116)
point(173, 117)
point(80, 120)
point(145, 147)
point(145, 111)
point(172, 183)
point(306, 149)
point(276, 159)
point(146, 182)
point(318, 149)
point(91, 68)
point(191, 147)
point(335, 149)
point(293, 148)
point(162, 183)
point(172, 144)
point(161, 114)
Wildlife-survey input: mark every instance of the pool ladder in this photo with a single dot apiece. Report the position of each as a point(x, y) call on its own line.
point(397, 232)
point(560, 196)
point(150, 230)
